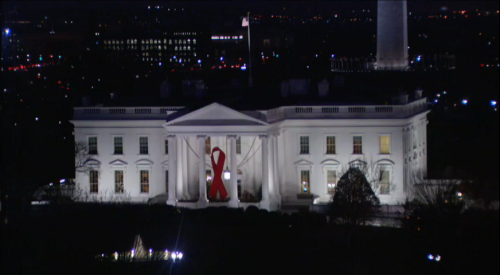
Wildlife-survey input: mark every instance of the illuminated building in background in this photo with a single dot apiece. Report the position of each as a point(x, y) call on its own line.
point(392, 35)
point(167, 47)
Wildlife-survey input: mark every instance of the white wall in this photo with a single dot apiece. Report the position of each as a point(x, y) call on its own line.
point(286, 176)
point(344, 150)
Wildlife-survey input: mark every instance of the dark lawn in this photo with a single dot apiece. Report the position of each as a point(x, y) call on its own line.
point(65, 239)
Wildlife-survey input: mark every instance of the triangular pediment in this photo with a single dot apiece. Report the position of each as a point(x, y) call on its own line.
point(215, 114)
point(303, 162)
point(118, 163)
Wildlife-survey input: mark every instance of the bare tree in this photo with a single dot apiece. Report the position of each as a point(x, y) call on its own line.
point(441, 196)
point(372, 172)
point(82, 157)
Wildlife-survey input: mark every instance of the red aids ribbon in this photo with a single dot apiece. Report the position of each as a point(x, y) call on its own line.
point(217, 184)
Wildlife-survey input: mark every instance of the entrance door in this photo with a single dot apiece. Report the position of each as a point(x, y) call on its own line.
point(304, 182)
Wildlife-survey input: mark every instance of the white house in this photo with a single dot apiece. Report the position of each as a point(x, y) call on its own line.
point(149, 151)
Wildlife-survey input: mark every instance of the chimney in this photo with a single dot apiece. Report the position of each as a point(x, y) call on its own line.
point(323, 86)
point(285, 88)
point(418, 93)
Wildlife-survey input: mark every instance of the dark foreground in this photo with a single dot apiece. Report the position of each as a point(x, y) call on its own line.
point(65, 239)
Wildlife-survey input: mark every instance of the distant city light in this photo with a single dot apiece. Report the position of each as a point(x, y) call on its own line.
point(438, 258)
point(159, 64)
point(430, 257)
point(333, 55)
point(60, 57)
point(7, 31)
point(419, 58)
point(493, 103)
point(435, 101)
point(459, 194)
point(199, 61)
point(438, 95)
point(465, 101)
point(244, 67)
point(62, 181)
point(221, 58)
point(36, 118)
point(444, 92)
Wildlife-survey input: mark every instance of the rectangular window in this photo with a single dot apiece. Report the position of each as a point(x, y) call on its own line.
point(166, 146)
point(208, 146)
point(118, 145)
point(331, 180)
point(166, 181)
point(238, 146)
point(330, 145)
point(143, 145)
point(357, 145)
point(304, 145)
point(384, 181)
point(385, 144)
point(304, 180)
point(144, 181)
point(92, 145)
point(94, 181)
point(119, 188)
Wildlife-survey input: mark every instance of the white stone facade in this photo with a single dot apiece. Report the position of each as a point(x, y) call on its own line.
point(261, 147)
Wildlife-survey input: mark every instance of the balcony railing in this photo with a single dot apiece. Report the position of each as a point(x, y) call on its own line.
point(371, 111)
point(124, 112)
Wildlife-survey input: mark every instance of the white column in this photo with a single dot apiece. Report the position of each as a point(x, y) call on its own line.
point(276, 169)
point(185, 166)
point(179, 162)
point(265, 203)
point(202, 201)
point(171, 171)
point(234, 201)
point(272, 171)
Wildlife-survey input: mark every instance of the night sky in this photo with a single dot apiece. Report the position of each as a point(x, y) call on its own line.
point(258, 6)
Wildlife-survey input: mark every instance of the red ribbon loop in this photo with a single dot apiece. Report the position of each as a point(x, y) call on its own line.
point(217, 184)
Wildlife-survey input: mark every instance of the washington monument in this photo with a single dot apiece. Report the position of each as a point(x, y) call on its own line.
point(392, 35)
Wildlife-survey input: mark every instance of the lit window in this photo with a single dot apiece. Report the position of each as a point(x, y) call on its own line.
point(143, 145)
point(304, 181)
point(384, 181)
point(144, 181)
point(92, 145)
point(94, 181)
point(238, 146)
point(385, 145)
point(118, 145)
point(304, 145)
point(331, 180)
point(209, 177)
point(330, 145)
point(208, 146)
point(357, 145)
point(119, 188)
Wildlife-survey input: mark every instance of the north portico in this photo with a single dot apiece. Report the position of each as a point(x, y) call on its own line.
point(223, 127)
point(288, 153)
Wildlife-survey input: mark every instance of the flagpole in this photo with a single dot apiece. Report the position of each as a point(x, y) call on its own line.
point(250, 80)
